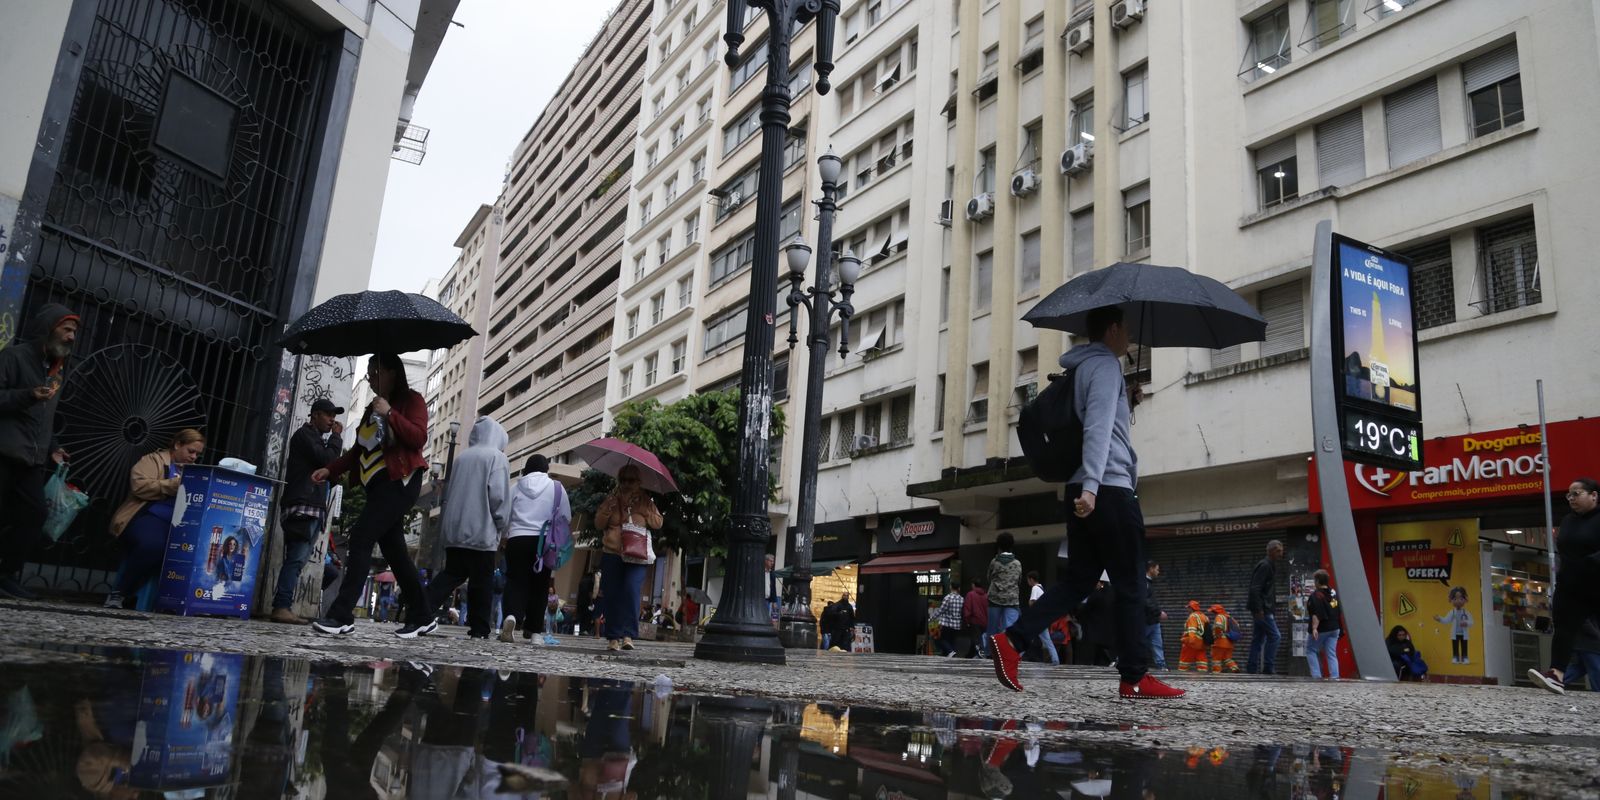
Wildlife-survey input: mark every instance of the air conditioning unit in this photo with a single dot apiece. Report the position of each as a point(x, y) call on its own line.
point(1081, 37)
point(947, 211)
point(864, 442)
point(735, 199)
point(1077, 158)
point(1024, 183)
point(1127, 12)
point(980, 207)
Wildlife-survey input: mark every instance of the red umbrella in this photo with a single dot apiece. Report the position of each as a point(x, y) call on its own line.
point(611, 455)
point(383, 577)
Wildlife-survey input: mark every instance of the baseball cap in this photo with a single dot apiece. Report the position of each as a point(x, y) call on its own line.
point(326, 406)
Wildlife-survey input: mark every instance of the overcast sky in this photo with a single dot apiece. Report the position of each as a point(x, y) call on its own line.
point(487, 86)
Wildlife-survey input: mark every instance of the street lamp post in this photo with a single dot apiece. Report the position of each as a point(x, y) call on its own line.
point(742, 628)
point(798, 628)
point(437, 561)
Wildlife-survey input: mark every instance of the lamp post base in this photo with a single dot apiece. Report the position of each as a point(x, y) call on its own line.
point(754, 644)
point(798, 631)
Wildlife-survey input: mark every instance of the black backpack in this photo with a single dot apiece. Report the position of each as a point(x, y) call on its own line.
point(1207, 635)
point(1050, 431)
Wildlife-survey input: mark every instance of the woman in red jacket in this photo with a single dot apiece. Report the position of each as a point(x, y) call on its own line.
point(387, 459)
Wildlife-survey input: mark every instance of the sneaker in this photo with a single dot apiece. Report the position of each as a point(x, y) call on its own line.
point(550, 640)
point(113, 600)
point(508, 629)
point(285, 616)
point(413, 631)
point(627, 643)
point(1549, 680)
point(333, 627)
point(1005, 658)
point(613, 645)
point(13, 588)
point(1149, 687)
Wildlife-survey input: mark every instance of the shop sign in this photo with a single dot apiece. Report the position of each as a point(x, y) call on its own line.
point(902, 530)
point(1429, 576)
point(1230, 526)
point(922, 529)
point(1504, 463)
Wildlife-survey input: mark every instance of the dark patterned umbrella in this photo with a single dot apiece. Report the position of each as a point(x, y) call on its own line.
point(363, 323)
point(1161, 306)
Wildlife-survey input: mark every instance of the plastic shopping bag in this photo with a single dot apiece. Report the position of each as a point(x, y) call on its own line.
point(62, 503)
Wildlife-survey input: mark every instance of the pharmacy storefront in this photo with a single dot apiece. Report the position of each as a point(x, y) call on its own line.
point(1458, 553)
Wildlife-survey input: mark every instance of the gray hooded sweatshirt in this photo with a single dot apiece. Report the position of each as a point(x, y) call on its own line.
point(1101, 395)
point(477, 508)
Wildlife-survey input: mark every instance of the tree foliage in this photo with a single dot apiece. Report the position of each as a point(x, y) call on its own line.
point(697, 438)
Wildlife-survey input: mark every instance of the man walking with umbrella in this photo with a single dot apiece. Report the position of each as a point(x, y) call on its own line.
point(1105, 527)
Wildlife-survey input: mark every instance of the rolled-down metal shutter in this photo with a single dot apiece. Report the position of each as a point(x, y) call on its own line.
point(1082, 241)
point(1490, 68)
point(1412, 117)
point(1341, 151)
point(1284, 309)
point(1215, 568)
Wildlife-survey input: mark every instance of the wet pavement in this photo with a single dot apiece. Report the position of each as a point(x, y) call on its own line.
point(120, 722)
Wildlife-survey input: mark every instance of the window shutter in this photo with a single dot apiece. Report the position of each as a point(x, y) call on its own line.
point(1136, 195)
point(1412, 116)
point(1490, 68)
point(1281, 150)
point(1283, 308)
point(1341, 153)
point(1082, 241)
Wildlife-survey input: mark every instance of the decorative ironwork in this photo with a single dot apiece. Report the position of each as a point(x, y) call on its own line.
point(172, 228)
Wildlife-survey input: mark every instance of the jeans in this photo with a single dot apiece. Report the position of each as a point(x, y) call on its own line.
point(527, 591)
point(1264, 639)
point(1110, 540)
point(1158, 650)
point(476, 569)
point(295, 554)
point(144, 544)
point(1049, 647)
point(1001, 617)
point(1584, 665)
point(1323, 644)
point(620, 583)
point(382, 523)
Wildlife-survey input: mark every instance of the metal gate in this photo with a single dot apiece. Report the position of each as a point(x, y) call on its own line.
point(172, 228)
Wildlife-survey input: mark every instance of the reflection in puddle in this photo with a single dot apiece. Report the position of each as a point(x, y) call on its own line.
point(117, 723)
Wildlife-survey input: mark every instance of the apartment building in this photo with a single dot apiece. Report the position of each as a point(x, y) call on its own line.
point(1069, 136)
point(561, 249)
point(456, 373)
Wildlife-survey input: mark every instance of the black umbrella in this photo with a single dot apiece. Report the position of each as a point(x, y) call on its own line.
point(362, 323)
point(1161, 307)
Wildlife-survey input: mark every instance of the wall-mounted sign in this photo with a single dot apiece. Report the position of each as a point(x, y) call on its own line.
point(1376, 372)
point(917, 530)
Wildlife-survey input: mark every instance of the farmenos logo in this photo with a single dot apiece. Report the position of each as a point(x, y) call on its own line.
point(1474, 469)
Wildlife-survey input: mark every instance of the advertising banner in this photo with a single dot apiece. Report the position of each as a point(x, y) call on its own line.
point(187, 713)
point(216, 544)
point(1429, 575)
point(1379, 335)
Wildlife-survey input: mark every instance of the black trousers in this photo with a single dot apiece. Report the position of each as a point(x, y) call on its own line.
point(526, 589)
point(22, 511)
point(1577, 599)
point(1109, 540)
point(380, 524)
point(474, 568)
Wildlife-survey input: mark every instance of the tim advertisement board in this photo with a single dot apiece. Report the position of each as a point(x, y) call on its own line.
point(218, 537)
point(188, 704)
point(1375, 344)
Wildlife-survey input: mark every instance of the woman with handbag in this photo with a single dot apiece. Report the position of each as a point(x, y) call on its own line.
point(626, 516)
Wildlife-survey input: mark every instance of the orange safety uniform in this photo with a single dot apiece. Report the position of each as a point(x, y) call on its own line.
point(1221, 646)
point(1193, 654)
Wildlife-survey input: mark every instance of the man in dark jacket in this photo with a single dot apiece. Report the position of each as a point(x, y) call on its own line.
point(32, 370)
point(1263, 605)
point(1154, 616)
point(316, 444)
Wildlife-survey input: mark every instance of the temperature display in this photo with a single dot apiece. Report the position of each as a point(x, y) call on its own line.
point(1380, 439)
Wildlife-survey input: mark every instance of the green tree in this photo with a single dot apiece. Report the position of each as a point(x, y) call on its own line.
point(697, 439)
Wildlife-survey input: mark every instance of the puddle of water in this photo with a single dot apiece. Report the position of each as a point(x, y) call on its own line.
point(120, 723)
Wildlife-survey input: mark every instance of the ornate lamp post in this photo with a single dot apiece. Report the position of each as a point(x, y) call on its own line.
point(742, 628)
point(798, 628)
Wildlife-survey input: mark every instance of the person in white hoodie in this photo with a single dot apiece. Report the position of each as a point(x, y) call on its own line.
point(541, 518)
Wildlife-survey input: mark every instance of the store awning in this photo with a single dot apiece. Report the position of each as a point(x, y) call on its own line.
point(818, 568)
point(906, 562)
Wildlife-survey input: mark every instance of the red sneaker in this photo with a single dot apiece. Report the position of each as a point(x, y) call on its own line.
point(1149, 687)
point(1006, 658)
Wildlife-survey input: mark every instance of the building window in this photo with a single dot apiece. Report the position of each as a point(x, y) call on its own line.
point(1328, 21)
point(1387, 7)
point(650, 362)
point(646, 210)
point(663, 249)
point(1136, 202)
point(677, 133)
point(847, 434)
point(1508, 263)
point(1277, 178)
point(638, 268)
point(1083, 241)
point(741, 130)
point(794, 148)
point(983, 282)
point(683, 80)
point(1268, 50)
point(1136, 367)
point(824, 440)
point(874, 13)
point(1135, 98)
point(651, 156)
point(991, 58)
point(1284, 309)
point(702, 109)
point(1433, 283)
point(900, 419)
point(755, 57)
point(626, 382)
point(1032, 32)
point(658, 308)
point(724, 328)
point(1028, 278)
point(788, 223)
point(685, 288)
point(1412, 118)
point(680, 351)
point(986, 170)
point(978, 405)
point(633, 323)
point(1082, 120)
point(938, 404)
point(656, 104)
point(799, 79)
point(697, 169)
point(689, 21)
point(729, 260)
point(670, 187)
point(1341, 150)
point(944, 297)
point(708, 55)
point(1494, 90)
point(691, 229)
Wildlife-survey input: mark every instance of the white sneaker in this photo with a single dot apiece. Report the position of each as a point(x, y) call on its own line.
point(1549, 680)
point(508, 629)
